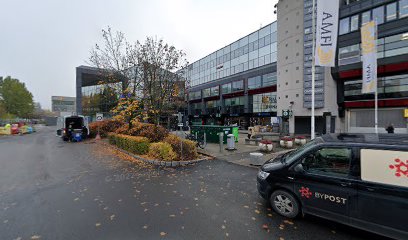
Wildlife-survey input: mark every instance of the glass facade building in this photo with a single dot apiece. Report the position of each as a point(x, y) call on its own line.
point(236, 84)
point(392, 60)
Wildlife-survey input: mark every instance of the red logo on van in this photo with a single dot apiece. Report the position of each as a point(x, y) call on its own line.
point(401, 168)
point(305, 192)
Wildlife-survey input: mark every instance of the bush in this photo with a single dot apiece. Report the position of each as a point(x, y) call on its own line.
point(136, 145)
point(189, 147)
point(153, 132)
point(162, 151)
point(105, 127)
point(124, 129)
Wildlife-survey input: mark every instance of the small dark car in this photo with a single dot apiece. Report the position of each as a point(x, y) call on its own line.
point(356, 179)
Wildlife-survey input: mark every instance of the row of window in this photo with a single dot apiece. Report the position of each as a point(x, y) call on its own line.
point(265, 80)
point(392, 84)
point(380, 14)
point(253, 46)
point(268, 30)
point(265, 102)
point(386, 47)
point(240, 67)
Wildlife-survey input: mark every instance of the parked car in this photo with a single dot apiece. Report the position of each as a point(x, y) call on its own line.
point(72, 128)
point(356, 179)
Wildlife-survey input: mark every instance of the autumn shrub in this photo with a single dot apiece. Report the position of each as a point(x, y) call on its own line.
point(104, 127)
point(162, 151)
point(124, 129)
point(189, 147)
point(136, 145)
point(153, 132)
point(136, 129)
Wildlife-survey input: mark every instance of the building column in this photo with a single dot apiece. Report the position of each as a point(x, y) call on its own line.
point(292, 126)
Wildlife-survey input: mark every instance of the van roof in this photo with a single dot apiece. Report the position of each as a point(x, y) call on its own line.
point(383, 139)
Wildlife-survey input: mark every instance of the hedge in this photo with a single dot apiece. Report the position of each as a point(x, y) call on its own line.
point(136, 145)
point(104, 127)
point(162, 151)
point(189, 147)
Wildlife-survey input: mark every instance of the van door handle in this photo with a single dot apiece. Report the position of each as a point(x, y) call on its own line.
point(371, 189)
point(345, 184)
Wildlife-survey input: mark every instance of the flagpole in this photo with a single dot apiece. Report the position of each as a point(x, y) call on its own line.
point(312, 124)
point(376, 109)
point(376, 84)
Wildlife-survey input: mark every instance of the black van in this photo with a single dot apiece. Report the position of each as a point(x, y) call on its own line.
point(356, 179)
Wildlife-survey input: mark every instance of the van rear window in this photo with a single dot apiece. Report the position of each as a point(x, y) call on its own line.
point(384, 166)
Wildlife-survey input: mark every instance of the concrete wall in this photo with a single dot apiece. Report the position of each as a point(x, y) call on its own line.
point(290, 68)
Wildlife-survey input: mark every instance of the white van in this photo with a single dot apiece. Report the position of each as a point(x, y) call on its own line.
point(70, 127)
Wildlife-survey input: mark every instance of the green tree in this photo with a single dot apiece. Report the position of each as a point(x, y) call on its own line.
point(15, 97)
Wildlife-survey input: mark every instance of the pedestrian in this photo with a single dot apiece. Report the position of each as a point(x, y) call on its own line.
point(250, 132)
point(390, 128)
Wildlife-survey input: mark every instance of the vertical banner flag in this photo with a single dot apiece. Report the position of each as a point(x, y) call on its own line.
point(326, 32)
point(369, 56)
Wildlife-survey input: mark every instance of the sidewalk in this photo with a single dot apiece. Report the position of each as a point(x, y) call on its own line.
point(241, 154)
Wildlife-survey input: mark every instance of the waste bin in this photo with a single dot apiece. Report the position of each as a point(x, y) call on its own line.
point(230, 142)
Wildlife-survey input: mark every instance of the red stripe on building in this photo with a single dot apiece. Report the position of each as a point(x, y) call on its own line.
point(381, 103)
point(382, 70)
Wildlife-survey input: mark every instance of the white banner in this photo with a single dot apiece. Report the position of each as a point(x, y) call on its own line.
point(326, 32)
point(369, 57)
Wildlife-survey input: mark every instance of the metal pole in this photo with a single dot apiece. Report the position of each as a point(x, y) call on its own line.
point(221, 141)
point(376, 109)
point(312, 122)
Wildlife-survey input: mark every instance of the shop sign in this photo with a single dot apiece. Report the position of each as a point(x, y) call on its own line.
point(406, 113)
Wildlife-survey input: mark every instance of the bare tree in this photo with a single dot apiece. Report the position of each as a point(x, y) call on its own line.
point(162, 67)
point(150, 76)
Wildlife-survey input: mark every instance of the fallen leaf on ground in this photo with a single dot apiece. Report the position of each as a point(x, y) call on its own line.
point(76, 199)
point(257, 211)
point(223, 227)
point(97, 224)
point(269, 215)
point(112, 217)
point(288, 222)
point(246, 206)
point(163, 234)
point(145, 227)
point(172, 215)
point(265, 227)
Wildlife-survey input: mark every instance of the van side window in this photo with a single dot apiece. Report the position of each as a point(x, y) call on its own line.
point(328, 161)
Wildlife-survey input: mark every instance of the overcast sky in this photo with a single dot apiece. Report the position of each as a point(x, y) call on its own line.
point(42, 41)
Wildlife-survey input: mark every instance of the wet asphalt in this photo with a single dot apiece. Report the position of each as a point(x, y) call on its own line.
point(50, 189)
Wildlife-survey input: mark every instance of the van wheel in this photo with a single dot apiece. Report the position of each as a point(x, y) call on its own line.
point(285, 204)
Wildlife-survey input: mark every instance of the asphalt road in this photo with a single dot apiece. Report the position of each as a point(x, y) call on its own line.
point(50, 189)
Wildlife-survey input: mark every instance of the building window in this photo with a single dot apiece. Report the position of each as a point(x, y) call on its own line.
point(210, 92)
point(354, 23)
point(226, 88)
point(344, 26)
point(254, 82)
point(238, 86)
point(265, 102)
point(194, 95)
point(269, 79)
point(378, 15)
point(365, 17)
point(391, 11)
point(238, 101)
point(403, 8)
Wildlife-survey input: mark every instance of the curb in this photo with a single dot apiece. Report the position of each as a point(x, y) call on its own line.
point(157, 162)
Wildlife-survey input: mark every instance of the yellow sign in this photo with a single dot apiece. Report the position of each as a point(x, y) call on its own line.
point(406, 113)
